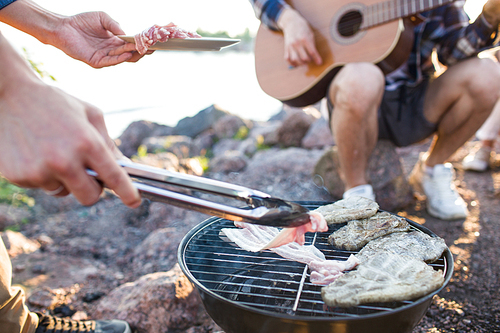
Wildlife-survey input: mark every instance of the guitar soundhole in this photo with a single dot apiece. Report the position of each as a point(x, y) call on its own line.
point(349, 23)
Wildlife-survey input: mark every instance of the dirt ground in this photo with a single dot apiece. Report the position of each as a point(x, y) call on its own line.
point(471, 301)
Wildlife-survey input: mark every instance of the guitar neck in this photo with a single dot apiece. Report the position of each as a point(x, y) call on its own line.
point(390, 10)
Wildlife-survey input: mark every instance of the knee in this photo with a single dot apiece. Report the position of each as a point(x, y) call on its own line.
point(357, 87)
point(484, 83)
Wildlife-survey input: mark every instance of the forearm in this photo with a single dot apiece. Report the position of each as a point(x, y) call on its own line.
point(29, 17)
point(14, 71)
point(269, 11)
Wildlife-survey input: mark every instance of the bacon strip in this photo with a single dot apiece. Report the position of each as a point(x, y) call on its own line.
point(157, 33)
point(289, 243)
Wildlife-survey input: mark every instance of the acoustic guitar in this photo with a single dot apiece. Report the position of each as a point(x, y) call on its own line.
point(363, 31)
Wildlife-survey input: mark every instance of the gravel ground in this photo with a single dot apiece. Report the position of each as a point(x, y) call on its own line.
point(471, 301)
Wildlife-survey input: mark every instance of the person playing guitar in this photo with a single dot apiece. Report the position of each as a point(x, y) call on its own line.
point(307, 50)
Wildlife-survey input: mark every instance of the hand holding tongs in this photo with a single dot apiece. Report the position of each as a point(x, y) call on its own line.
point(262, 208)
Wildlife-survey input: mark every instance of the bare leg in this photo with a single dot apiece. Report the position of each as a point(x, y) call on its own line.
point(459, 101)
point(356, 93)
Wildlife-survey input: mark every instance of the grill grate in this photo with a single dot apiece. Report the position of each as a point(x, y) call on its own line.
point(266, 281)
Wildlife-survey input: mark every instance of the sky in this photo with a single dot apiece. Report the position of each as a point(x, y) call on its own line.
point(134, 16)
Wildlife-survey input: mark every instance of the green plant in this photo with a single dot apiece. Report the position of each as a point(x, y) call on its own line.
point(242, 133)
point(14, 195)
point(37, 66)
point(142, 151)
point(204, 162)
point(260, 143)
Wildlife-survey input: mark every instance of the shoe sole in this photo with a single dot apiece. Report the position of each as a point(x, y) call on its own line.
point(440, 216)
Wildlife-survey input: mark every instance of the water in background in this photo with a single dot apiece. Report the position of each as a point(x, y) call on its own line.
point(167, 86)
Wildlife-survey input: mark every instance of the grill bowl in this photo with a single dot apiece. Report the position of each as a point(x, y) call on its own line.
point(246, 292)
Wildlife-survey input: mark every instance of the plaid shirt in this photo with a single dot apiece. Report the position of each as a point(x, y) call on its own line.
point(445, 29)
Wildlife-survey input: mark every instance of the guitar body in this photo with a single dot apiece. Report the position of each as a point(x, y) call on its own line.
point(338, 41)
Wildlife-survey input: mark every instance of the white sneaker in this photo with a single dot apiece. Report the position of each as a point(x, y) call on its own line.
point(365, 191)
point(443, 200)
point(478, 161)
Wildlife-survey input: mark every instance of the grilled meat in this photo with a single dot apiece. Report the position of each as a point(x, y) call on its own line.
point(414, 244)
point(384, 277)
point(352, 208)
point(357, 233)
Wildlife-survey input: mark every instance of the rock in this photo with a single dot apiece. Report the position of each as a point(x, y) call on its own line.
point(155, 303)
point(46, 204)
point(158, 252)
point(10, 215)
point(385, 173)
point(136, 132)
point(45, 298)
point(231, 161)
point(56, 271)
point(266, 133)
point(229, 125)
point(203, 142)
point(318, 136)
point(224, 145)
point(288, 170)
point(165, 160)
point(294, 128)
point(16, 243)
point(203, 120)
point(179, 145)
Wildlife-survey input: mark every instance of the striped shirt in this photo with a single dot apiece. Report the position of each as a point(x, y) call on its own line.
point(445, 29)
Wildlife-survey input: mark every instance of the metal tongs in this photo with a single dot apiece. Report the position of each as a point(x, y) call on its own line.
point(261, 208)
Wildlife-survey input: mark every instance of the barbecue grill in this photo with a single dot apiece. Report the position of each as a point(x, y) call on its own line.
point(262, 292)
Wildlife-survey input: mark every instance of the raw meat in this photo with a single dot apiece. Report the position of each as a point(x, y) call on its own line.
point(385, 277)
point(352, 208)
point(414, 244)
point(286, 235)
point(157, 33)
point(357, 233)
point(256, 238)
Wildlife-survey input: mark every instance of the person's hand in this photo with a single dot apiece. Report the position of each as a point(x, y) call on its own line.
point(48, 139)
point(300, 48)
point(91, 38)
point(491, 12)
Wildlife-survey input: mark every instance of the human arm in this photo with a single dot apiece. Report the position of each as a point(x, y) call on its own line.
point(461, 39)
point(48, 138)
point(299, 44)
point(88, 37)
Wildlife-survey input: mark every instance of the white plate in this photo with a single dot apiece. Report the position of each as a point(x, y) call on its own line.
point(189, 44)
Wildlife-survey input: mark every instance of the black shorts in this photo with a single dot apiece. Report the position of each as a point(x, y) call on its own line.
point(401, 116)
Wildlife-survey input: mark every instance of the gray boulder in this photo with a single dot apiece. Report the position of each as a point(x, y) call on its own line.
point(294, 128)
point(155, 303)
point(136, 132)
point(318, 136)
point(203, 120)
point(385, 173)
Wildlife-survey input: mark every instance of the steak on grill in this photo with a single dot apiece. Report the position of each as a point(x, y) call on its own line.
point(352, 208)
point(384, 277)
point(357, 233)
point(415, 244)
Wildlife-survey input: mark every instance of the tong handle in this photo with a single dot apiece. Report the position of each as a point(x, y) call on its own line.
point(265, 210)
point(190, 181)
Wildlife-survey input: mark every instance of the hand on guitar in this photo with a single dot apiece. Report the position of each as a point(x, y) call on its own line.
point(300, 48)
point(491, 11)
